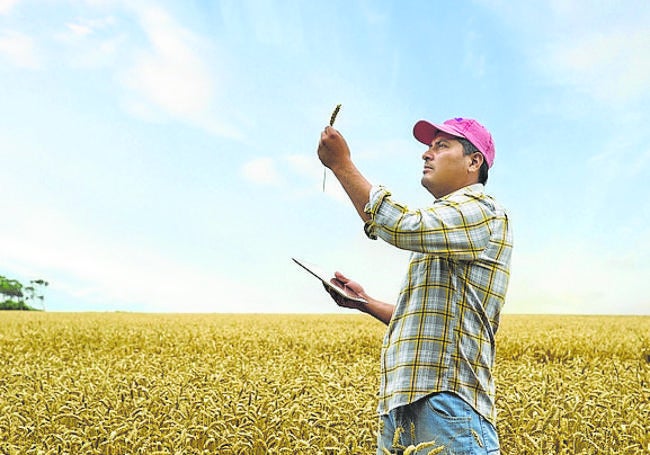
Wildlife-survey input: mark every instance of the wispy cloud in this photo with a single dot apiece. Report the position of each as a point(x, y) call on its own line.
point(102, 272)
point(269, 23)
point(91, 43)
point(600, 50)
point(299, 175)
point(616, 162)
point(307, 167)
point(612, 66)
point(7, 5)
point(19, 49)
point(582, 281)
point(83, 27)
point(262, 171)
point(170, 74)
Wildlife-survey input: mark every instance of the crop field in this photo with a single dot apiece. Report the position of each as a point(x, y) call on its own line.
point(120, 383)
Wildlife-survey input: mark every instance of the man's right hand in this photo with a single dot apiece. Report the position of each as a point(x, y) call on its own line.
point(379, 310)
point(352, 288)
point(333, 151)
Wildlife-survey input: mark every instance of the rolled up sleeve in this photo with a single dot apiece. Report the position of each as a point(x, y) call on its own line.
point(450, 228)
point(377, 196)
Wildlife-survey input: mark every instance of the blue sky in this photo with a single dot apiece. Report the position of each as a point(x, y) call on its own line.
point(160, 156)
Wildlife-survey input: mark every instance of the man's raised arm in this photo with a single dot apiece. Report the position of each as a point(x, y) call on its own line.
point(334, 153)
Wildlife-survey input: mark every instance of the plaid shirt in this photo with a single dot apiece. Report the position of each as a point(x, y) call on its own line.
point(441, 335)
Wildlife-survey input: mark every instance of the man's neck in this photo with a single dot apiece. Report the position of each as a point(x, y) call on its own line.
point(447, 193)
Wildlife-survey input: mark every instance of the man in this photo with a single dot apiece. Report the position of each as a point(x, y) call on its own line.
point(437, 389)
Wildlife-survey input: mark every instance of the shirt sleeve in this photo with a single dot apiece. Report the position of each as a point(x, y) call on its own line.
point(458, 227)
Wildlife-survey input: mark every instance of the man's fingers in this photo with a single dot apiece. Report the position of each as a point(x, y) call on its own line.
point(329, 132)
point(332, 293)
point(342, 278)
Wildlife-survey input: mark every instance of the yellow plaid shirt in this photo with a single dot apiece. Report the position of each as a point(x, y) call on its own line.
point(441, 335)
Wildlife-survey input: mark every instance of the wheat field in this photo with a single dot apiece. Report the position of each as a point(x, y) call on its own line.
point(121, 383)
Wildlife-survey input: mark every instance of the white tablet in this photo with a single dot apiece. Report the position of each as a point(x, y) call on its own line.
point(326, 280)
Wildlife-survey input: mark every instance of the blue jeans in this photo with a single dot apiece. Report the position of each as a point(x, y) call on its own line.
point(439, 420)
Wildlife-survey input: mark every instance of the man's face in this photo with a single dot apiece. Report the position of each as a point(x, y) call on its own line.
point(445, 166)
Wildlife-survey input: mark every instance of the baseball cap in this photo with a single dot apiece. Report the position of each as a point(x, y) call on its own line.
point(466, 128)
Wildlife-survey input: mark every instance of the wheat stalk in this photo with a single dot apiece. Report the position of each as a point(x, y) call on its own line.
point(332, 120)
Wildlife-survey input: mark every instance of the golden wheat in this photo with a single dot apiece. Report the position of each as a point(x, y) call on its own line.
point(252, 384)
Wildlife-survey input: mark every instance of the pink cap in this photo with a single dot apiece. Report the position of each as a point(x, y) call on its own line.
point(467, 128)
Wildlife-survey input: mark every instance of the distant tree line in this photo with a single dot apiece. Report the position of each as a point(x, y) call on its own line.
point(15, 296)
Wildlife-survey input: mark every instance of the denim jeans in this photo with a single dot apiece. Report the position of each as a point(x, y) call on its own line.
point(439, 420)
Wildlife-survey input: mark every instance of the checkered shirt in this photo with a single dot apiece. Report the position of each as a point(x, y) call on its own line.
point(442, 333)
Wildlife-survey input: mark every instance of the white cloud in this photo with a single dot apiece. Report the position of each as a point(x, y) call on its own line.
point(572, 280)
point(301, 175)
point(19, 49)
point(94, 43)
point(82, 27)
point(602, 51)
point(167, 77)
point(7, 5)
point(262, 171)
point(105, 273)
point(170, 75)
point(79, 29)
point(612, 66)
point(333, 188)
point(305, 166)
point(270, 23)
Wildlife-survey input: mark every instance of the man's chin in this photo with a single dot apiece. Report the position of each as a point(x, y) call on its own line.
point(427, 184)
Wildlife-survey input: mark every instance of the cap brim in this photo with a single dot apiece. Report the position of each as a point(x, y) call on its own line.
point(425, 131)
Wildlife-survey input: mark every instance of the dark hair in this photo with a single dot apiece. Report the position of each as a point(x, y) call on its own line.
point(468, 149)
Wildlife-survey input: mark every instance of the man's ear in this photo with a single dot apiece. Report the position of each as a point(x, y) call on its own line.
point(476, 162)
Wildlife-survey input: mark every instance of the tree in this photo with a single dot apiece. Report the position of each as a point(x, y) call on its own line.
point(11, 288)
point(14, 293)
point(34, 293)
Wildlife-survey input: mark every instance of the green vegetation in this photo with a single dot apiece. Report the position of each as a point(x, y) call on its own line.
point(15, 296)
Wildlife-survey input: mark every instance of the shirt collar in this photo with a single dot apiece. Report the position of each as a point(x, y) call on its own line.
point(475, 188)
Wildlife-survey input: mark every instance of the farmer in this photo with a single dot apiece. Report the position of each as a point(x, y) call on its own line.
point(437, 387)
